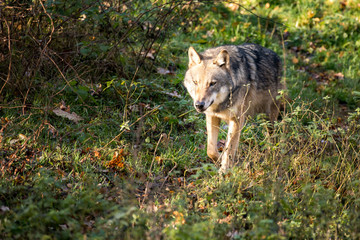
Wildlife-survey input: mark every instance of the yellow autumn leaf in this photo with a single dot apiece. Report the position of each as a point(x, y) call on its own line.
point(310, 14)
point(179, 217)
point(295, 60)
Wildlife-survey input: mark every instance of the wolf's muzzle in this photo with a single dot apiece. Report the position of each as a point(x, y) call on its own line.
point(200, 106)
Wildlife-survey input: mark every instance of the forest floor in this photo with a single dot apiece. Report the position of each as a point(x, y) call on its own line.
point(125, 158)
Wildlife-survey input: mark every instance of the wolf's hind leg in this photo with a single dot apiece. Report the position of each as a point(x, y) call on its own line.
point(212, 126)
point(274, 112)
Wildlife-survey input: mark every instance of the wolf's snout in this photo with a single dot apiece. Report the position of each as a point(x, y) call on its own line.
point(200, 106)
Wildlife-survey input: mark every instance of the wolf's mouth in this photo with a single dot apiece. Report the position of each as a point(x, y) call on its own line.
point(200, 107)
point(211, 103)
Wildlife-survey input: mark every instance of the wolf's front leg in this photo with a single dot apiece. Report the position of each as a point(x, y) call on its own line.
point(212, 127)
point(232, 143)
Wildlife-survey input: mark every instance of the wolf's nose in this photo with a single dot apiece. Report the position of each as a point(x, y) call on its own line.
point(199, 105)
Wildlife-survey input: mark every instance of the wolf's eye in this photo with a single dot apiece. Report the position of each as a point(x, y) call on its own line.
point(212, 84)
point(195, 82)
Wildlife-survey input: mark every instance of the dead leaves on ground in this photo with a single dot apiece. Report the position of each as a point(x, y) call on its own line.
point(179, 218)
point(64, 111)
point(302, 60)
point(165, 71)
point(71, 116)
point(4, 121)
point(117, 161)
point(17, 164)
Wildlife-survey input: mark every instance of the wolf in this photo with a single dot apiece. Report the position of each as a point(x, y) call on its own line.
point(231, 83)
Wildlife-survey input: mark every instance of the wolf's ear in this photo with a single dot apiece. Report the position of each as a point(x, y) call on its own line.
point(223, 59)
point(194, 57)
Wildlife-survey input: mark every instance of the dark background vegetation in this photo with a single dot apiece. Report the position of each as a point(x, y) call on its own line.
point(99, 139)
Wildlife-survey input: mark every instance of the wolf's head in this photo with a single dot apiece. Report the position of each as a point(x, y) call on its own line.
point(208, 78)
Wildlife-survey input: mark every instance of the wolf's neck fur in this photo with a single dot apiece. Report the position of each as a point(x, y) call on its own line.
point(229, 102)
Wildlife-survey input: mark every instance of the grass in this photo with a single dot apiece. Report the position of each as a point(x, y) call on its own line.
point(136, 167)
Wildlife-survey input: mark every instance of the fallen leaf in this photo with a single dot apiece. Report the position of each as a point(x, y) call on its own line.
point(210, 33)
point(295, 60)
point(232, 6)
point(339, 75)
point(22, 137)
point(233, 234)
point(172, 94)
point(225, 220)
point(64, 107)
point(149, 54)
point(4, 208)
point(310, 14)
point(13, 141)
point(179, 217)
point(343, 4)
point(118, 159)
point(71, 116)
point(63, 226)
point(180, 180)
point(321, 49)
point(159, 159)
point(97, 154)
point(164, 71)
point(51, 129)
point(4, 120)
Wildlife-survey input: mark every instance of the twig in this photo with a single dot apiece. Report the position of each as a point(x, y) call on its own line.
point(67, 82)
point(10, 54)
point(183, 114)
point(146, 193)
point(152, 162)
point(43, 52)
point(168, 175)
point(52, 28)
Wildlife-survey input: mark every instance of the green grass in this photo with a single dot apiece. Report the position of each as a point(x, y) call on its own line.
point(136, 166)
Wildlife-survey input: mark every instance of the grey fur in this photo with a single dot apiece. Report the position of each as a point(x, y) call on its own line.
point(230, 83)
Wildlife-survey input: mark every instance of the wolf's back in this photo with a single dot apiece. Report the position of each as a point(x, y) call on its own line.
point(251, 63)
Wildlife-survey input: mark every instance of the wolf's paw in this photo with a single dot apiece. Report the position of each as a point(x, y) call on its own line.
point(213, 155)
point(226, 164)
point(223, 170)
